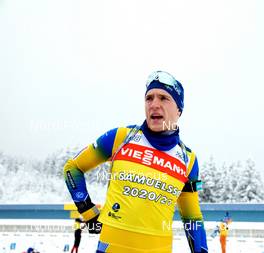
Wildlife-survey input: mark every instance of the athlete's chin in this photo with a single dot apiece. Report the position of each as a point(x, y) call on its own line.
point(156, 126)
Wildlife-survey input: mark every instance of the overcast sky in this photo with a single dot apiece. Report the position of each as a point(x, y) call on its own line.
point(71, 70)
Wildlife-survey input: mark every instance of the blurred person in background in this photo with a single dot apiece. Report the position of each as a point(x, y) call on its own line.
point(78, 226)
point(223, 231)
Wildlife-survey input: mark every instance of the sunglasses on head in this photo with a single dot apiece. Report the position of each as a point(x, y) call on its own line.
point(164, 78)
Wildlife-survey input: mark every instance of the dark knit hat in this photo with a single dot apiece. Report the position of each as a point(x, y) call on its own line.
point(165, 81)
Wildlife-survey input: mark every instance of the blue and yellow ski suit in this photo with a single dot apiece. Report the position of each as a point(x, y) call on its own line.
point(148, 179)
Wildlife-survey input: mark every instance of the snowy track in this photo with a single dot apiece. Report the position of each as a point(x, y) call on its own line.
point(51, 236)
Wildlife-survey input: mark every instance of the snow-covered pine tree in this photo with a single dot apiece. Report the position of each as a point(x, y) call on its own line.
point(212, 179)
point(230, 176)
point(250, 185)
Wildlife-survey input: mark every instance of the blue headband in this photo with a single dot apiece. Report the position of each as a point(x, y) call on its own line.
point(165, 81)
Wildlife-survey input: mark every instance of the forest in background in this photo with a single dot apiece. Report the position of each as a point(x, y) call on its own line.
point(34, 181)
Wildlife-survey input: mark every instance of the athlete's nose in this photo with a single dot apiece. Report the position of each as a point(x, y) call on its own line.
point(155, 102)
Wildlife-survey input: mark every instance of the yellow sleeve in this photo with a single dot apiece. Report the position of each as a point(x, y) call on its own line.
point(121, 134)
point(189, 207)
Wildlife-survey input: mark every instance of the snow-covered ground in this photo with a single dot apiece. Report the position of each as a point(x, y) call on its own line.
point(48, 241)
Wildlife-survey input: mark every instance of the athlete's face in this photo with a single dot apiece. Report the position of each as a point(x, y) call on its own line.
point(162, 112)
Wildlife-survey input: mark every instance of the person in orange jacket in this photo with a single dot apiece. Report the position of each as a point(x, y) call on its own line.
point(223, 234)
point(223, 230)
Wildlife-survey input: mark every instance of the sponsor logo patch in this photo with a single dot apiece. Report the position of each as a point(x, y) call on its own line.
point(155, 159)
point(113, 215)
point(116, 207)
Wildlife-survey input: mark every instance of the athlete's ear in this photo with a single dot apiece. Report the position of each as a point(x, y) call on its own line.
point(178, 113)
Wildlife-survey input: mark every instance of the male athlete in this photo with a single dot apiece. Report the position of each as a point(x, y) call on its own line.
point(152, 172)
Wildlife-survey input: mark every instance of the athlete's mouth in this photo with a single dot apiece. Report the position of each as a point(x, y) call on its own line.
point(156, 116)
